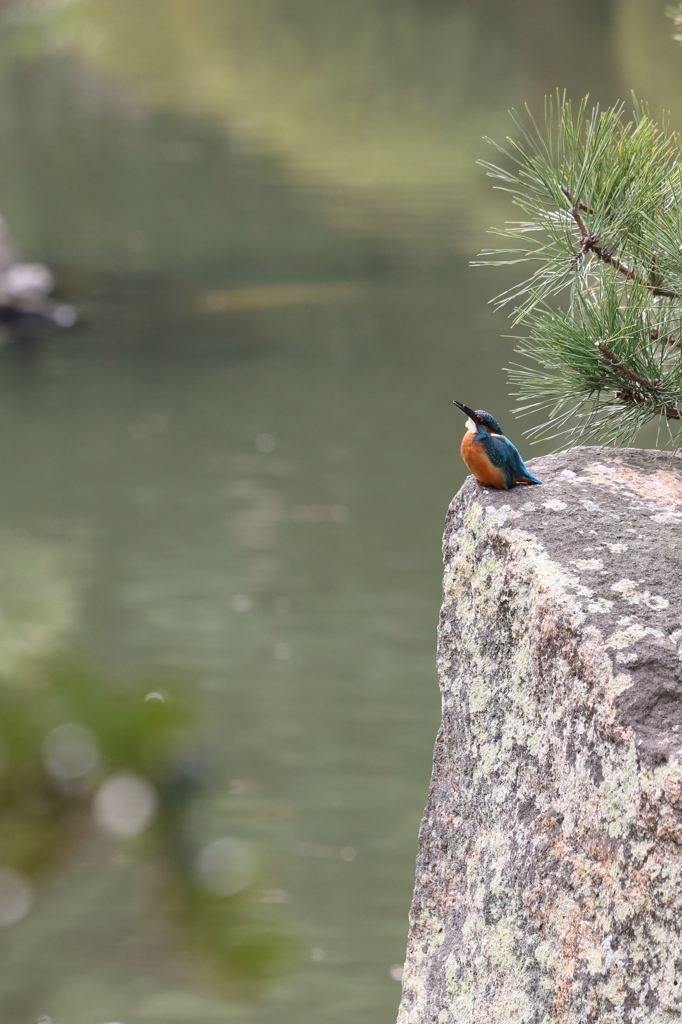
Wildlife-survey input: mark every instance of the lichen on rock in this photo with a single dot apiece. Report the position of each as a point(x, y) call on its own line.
point(549, 874)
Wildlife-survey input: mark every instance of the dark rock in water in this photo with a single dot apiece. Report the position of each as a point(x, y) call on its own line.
point(549, 874)
point(25, 290)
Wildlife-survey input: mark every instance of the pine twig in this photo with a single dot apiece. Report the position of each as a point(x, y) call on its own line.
point(589, 243)
point(653, 387)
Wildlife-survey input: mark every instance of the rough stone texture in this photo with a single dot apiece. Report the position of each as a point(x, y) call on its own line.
point(549, 875)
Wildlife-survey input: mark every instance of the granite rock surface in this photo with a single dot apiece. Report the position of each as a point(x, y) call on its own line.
point(549, 874)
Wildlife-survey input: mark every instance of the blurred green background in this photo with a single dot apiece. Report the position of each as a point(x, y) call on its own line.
point(225, 487)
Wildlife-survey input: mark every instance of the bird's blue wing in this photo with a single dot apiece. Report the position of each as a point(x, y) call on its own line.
point(519, 467)
point(503, 454)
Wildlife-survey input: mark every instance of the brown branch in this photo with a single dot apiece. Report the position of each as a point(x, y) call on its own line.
point(579, 206)
point(669, 339)
point(664, 293)
point(669, 411)
point(586, 243)
point(648, 385)
point(654, 279)
point(628, 395)
point(589, 243)
point(622, 268)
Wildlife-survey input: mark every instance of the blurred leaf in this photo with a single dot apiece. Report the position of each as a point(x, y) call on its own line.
point(142, 728)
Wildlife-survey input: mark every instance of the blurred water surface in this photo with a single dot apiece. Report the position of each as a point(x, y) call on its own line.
point(235, 470)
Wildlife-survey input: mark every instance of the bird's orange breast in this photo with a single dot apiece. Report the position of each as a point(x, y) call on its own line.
point(475, 457)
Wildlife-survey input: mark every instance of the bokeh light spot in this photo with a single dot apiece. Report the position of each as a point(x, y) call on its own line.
point(124, 804)
point(70, 756)
point(16, 896)
point(396, 972)
point(317, 953)
point(241, 603)
point(226, 866)
point(282, 651)
point(64, 315)
point(265, 443)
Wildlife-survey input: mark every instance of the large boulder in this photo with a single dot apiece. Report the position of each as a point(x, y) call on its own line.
point(549, 874)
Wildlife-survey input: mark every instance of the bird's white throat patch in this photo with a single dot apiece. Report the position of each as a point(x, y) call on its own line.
point(471, 426)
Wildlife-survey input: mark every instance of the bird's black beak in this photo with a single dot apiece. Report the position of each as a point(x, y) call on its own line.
point(467, 411)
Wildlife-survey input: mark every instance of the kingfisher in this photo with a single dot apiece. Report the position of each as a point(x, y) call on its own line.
point(491, 456)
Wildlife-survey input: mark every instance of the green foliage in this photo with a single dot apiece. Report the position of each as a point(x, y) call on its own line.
point(601, 197)
point(39, 810)
point(142, 728)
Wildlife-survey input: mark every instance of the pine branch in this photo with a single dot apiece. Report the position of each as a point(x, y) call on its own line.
point(628, 395)
point(589, 243)
point(603, 307)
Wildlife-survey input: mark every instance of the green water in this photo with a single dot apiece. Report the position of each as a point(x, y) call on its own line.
point(252, 499)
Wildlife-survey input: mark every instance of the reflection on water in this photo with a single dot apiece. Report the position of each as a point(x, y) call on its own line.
point(235, 469)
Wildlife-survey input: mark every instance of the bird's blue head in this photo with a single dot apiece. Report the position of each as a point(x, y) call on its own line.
point(481, 418)
point(489, 422)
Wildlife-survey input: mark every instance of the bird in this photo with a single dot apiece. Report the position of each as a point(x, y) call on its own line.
point(491, 456)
